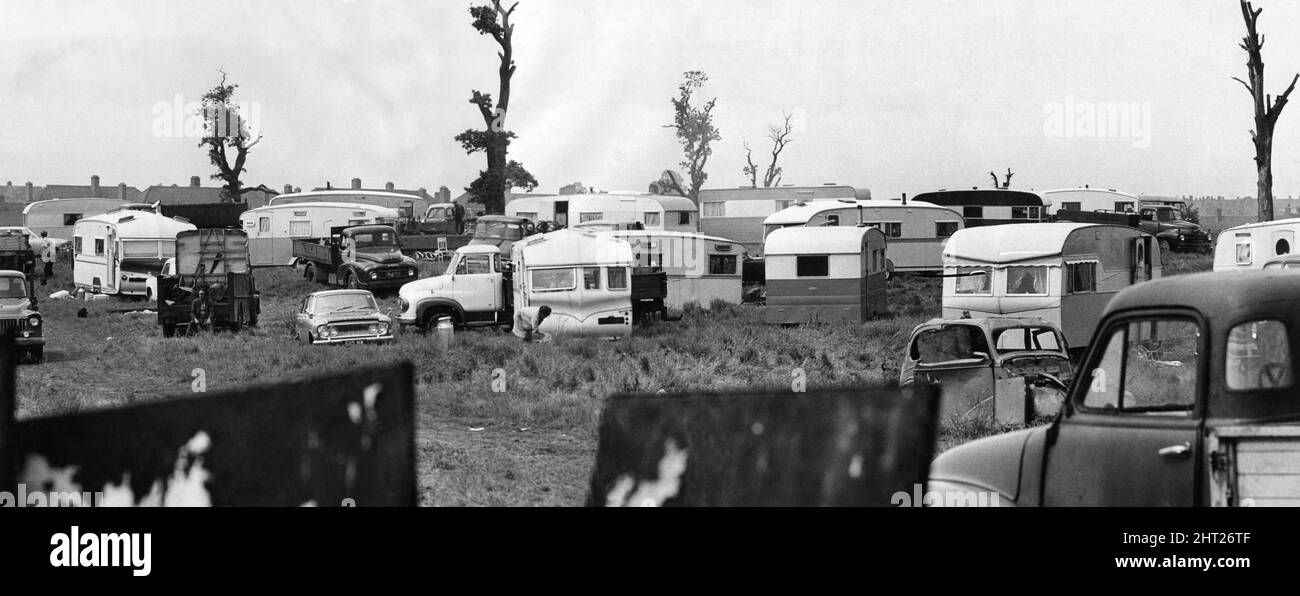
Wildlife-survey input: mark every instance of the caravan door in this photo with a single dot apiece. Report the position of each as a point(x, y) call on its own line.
point(111, 253)
point(261, 248)
point(1283, 242)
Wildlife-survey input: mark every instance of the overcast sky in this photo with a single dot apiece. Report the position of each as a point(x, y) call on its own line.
point(895, 96)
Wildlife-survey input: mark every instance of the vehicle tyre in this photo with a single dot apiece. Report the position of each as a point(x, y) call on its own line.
point(309, 272)
point(37, 354)
point(350, 281)
point(430, 323)
point(148, 294)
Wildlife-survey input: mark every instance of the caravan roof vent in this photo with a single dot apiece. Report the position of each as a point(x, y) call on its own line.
point(125, 219)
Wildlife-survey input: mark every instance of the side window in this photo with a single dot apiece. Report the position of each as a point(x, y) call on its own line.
point(617, 278)
point(977, 281)
point(722, 264)
point(812, 266)
point(1258, 357)
point(591, 278)
point(99, 247)
point(263, 224)
point(1082, 277)
point(474, 265)
point(652, 219)
point(1151, 365)
point(1244, 246)
point(76, 245)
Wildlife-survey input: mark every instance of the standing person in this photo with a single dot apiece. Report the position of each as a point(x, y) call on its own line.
point(528, 322)
point(458, 213)
point(201, 311)
point(48, 256)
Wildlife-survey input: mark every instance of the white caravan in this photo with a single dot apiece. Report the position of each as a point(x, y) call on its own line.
point(916, 230)
point(1248, 247)
point(272, 229)
point(700, 269)
point(411, 206)
point(57, 217)
point(1090, 199)
point(656, 212)
point(116, 252)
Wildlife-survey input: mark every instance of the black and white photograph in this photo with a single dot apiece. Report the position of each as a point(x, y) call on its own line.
point(884, 254)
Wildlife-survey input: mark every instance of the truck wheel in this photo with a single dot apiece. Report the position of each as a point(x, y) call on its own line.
point(37, 354)
point(431, 320)
point(350, 281)
point(148, 294)
point(309, 272)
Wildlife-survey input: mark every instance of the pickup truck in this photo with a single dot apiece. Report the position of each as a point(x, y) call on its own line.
point(215, 260)
point(19, 318)
point(1165, 222)
point(359, 257)
point(481, 287)
point(1186, 397)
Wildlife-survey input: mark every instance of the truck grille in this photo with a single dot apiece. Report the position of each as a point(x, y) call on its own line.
point(13, 326)
point(392, 273)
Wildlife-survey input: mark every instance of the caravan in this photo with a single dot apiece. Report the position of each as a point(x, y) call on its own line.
point(57, 217)
point(1064, 273)
point(700, 269)
point(1090, 199)
point(1248, 247)
point(825, 275)
point(272, 229)
point(410, 206)
point(990, 207)
point(916, 231)
point(656, 212)
point(116, 252)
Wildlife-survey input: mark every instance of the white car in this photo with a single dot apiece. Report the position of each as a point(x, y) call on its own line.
point(151, 282)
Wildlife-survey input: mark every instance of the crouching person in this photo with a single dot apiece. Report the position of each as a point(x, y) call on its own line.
point(528, 323)
point(201, 311)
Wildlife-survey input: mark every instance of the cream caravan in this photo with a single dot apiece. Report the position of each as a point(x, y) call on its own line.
point(656, 212)
point(916, 231)
point(116, 252)
point(700, 269)
point(58, 217)
point(411, 206)
point(832, 275)
point(583, 277)
point(1248, 247)
point(1090, 199)
point(272, 229)
point(1064, 273)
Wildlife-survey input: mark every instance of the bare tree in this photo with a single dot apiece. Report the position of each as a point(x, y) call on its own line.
point(779, 134)
point(1267, 109)
point(1002, 185)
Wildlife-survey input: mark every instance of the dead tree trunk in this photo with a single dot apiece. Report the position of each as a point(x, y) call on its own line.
point(1267, 109)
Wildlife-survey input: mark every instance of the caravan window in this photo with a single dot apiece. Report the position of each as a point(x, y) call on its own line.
point(99, 247)
point(944, 229)
point(972, 212)
point(616, 278)
point(652, 219)
point(1072, 206)
point(713, 209)
point(812, 266)
point(71, 218)
point(532, 215)
point(1082, 277)
point(552, 280)
point(892, 229)
point(722, 264)
point(76, 245)
point(1244, 249)
point(975, 281)
point(299, 229)
point(590, 216)
point(263, 224)
point(684, 218)
point(142, 248)
point(1027, 280)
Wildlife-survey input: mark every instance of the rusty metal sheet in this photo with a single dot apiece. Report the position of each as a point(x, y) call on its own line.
point(842, 447)
point(335, 441)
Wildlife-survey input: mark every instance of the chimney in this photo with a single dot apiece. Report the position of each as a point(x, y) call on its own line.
point(194, 182)
point(31, 195)
point(356, 184)
point(389, 186)
point(904, 198)
point(121, 191)
point(94, 185)
point(288, 189)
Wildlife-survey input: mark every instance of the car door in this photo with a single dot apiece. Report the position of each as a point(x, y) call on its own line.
point(957, 359)
point(477, 285)
point(1131, 436)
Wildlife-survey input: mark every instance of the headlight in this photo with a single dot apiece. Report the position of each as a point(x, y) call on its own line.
point(332, 331)
point(410, 272)
point(374, 275)
point(1182, 238)
point(322, 331)
point(403, 304)
point(383, 328)
point(34, 321)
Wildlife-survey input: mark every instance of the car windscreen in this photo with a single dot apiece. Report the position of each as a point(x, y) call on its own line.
point(497, 229)
point(374, 239)
point(344, 302)
point(948, 344)
point(1025, 339)
point(13, 287)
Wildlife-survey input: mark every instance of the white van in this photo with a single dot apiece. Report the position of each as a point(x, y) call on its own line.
point(272, 229)
point(116, 252)
point(1248, 247)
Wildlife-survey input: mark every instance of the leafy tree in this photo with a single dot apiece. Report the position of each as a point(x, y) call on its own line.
point(695, 131)
point(225, 130)
point(501, 174)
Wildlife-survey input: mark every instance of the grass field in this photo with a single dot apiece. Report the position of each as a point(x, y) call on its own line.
point(532, 444)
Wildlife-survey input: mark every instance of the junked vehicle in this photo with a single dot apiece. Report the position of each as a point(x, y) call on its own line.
point(360, 257)
point(1186, 397)
point(1283, 262)
point(1014, 369)
point(215, 260)
point(19, 318)
point(341, 316)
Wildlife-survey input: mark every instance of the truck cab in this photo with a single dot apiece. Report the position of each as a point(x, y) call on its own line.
point(1186, 397)
point(1173, 231)
point(474, 291)
point(19, 318)
point(359, 257)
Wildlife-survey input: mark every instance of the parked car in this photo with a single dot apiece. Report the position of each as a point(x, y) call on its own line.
point(341, 316)
point(1014, 368)
point(1283, 262)
point(1186, 397)
point(18, 316)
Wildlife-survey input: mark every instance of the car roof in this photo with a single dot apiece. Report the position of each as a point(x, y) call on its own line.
point(339, 293)
point(1214, 293)
point(992, 323)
